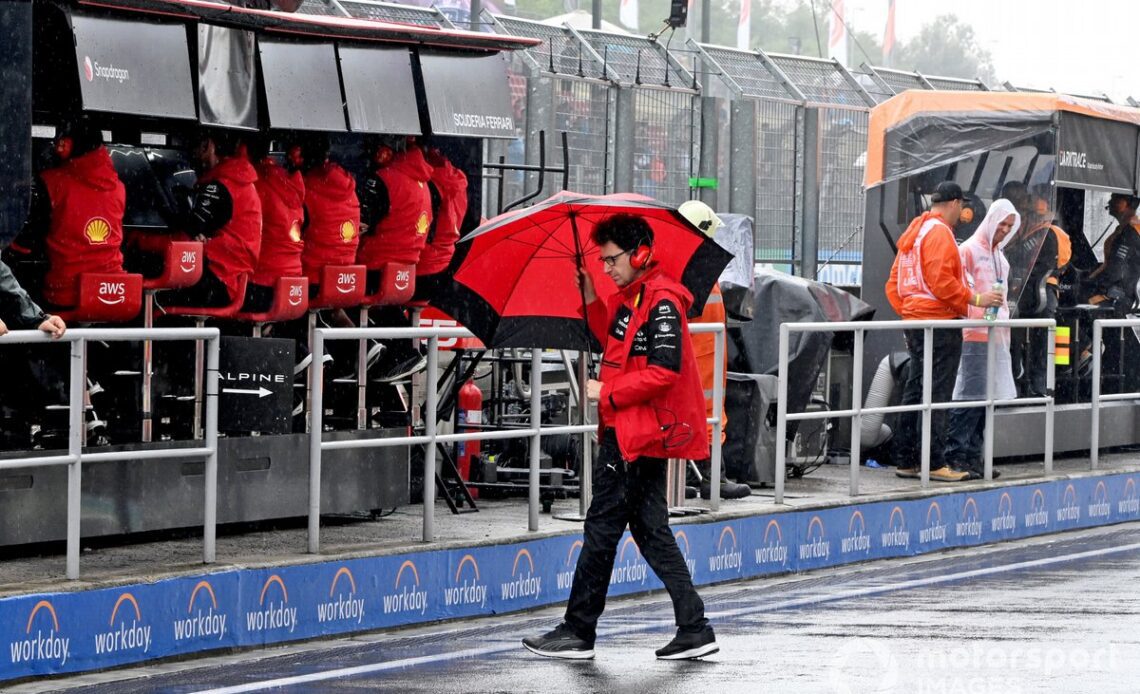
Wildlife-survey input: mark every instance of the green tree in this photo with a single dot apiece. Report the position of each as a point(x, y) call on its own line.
point(946, 47)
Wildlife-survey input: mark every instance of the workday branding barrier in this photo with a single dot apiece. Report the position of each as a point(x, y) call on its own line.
point(86, 630)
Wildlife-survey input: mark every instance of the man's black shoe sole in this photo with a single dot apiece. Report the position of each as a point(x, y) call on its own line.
point(698, 652)
point(564, 655)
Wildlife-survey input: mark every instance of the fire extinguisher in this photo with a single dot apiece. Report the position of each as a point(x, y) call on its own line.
point(470, 412)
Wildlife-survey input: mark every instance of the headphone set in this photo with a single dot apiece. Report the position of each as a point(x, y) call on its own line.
point(676, 434)
point(642, 256)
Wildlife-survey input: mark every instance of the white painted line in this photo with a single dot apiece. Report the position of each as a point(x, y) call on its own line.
point(798, 602)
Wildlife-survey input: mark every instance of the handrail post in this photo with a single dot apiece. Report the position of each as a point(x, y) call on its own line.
point(927, 397)
point(431, 414)
point(857, 405)
point(536, 438)
point(1050, 387)
point(316, 434)
point(210, 482)
point(586, 472)
point(781, 415)
point(1094, 409)
point(988, 431)
point(76, 391)
point(716, 461)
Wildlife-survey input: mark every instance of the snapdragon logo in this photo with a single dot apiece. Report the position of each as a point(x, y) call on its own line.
point(774, 551)
point(1038, 514)
point(1070, 510)
point(1129, 504)
point(406, 596)
point(46, 644)
point(523, 582)
point(270, 615)
point(935, 530)
point(857, 540)
point(968, 525)
point(1004, 521)
point(1099, 508)
point(467, 588)
point(198, 623)
point(341, 606)
point(631, 570)
point(728, 556)
point(565, 577)
point(816, 546)
point(896, 534)
point(121, 635)
point(92, 69)
point(683, 544)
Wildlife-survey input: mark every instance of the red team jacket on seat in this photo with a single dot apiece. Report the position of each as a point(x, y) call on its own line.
point(452, 186)
point(233, 250)
point(282, 208)
point(333, 233)
point(400, 235)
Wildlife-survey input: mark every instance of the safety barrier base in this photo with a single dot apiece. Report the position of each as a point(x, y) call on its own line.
point(84, 628)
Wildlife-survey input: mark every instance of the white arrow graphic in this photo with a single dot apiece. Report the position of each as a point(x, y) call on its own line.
point(260, 392)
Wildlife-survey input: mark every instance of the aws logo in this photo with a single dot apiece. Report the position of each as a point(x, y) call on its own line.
point(466, 586)
point(97, 230)
point(1038, 514)
point(857, 539)
point(935, 530)
point(630, 569)
point(896, 534)
point(295, 231)
point(406, 595)
point(123, 635)
point(347, 231)
point(1004, 521)
point(201, 623)
point(523, 582)
point(1129, 504)
point(422, 224)
point(1099, 507)
point(968, 524)
point(46, 644)
point(774, 550)
point(682, 540)
point(342, 605)
point(565, 577)
point(728, 556)
point(1070, 510)
point(403, 280)
point(270, 615)
point(817, 546)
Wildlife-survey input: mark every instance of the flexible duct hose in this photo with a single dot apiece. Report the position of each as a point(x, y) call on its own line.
point(874, 432)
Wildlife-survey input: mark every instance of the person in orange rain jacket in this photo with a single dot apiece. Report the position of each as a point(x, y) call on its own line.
point(927, 283)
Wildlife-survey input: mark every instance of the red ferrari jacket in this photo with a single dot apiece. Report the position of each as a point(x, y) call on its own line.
point(401, 234)
point(232, 250)
point(452, 186)
point(86, 231)
point(282, 207)
point(333, 233)
point(651, 393)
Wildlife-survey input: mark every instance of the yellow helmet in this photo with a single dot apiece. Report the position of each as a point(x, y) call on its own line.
point(701, 216)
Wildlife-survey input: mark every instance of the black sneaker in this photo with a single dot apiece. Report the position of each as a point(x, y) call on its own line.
point(689, 645)
point(562, 642)
point(979, 475)
point(728, 490)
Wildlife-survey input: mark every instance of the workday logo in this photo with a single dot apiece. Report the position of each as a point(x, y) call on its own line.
point(565, 577)
point(523, 582)
point(728, 556)
point(1070, 510)
point(630, 568)
point(816, 546)
point(272, 615)
point(682, 540)
point(1004, 521)
point(467, 587)
point(1099, 507)
point(123, 635)
point(857, 539)
point(405, 596)
point(1038, 514)
point(968, 525)
point(1129, 504)
point(200, 623)
point(896, 535)
point(342, 605)
point(773, 551)
point(935, 530)
point(46, 644)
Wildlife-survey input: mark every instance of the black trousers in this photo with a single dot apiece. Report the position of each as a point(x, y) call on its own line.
point(965, 438)
point(630, 494)
point(906, 447)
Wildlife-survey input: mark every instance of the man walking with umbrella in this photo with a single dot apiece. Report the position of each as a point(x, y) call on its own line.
point(650, 407)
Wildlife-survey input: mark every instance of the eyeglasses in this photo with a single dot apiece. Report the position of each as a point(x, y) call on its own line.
point(611, 260)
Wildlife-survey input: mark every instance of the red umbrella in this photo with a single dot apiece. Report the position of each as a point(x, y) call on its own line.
point(514, 279)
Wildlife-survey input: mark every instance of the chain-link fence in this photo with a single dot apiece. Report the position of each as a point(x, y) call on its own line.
point(779, 163)
point(666, 129)
point(843, 141)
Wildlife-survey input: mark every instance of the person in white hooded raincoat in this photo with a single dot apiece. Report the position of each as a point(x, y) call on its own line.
point(984, 264)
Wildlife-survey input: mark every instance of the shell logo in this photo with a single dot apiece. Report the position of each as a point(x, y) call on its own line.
point(347, 231)
point(295, 231)
point(422, 224)
point(97, 230)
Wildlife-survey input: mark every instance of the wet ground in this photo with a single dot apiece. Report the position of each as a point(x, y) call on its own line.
point(1055, 614)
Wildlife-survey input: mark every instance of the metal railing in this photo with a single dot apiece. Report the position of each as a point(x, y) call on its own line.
point(1098, 398)
point(926, 406)
point(431, 436)
point(76, 457)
